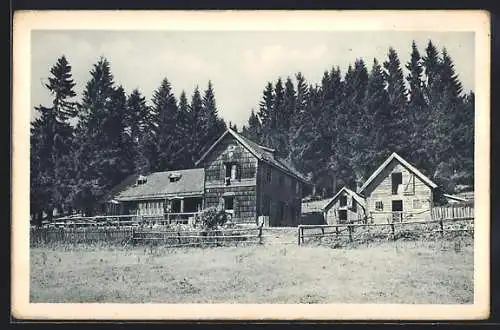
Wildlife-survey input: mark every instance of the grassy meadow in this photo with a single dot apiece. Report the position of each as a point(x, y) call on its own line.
point(389, 272)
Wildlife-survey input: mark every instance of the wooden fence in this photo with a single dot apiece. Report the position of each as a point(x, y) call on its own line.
point(452, 211)
point(144, 235)
point(251, 235)
point(187, 218)
point(363, 231)
point(80, 235)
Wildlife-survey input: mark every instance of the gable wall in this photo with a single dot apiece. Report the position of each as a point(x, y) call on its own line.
point(332, 214)
point(380, 189)
point(244, 188)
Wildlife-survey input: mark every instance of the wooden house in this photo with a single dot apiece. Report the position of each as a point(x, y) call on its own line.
point(161, 193)
point(243, 178)
point(397, 190)
point(345, 207)
point(249, 180)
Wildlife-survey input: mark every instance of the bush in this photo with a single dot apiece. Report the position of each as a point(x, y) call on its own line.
point(212, 218)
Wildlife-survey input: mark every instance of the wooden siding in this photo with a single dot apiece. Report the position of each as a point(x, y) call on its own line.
point(214, 164)
point(244, 201)
point(417, 204)
point(251, 186)
point(282, 193)
point(332, 214)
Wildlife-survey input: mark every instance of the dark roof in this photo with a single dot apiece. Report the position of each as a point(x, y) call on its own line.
point(315, 206)
point(127, 182)
point(264, 154)
point(158, 185)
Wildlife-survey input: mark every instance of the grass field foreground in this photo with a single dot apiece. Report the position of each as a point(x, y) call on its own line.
point(394, 272)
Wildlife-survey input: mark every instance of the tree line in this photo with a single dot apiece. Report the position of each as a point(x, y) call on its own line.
point(80, 150)
point(337, 131)
point(340, 130)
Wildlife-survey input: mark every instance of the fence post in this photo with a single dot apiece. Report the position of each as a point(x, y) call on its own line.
point(179, 237)
point(302, 234)
point(337, 231)
point(260, 235)
point(349, 227)
point(393, 232)
point(298, 235)
point(442, 227)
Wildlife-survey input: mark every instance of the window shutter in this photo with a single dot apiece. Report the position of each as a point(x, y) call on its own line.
point(221, 204)
point(234, 171)
point(236, 209)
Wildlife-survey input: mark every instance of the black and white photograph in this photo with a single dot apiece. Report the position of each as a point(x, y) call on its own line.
point(251, 165)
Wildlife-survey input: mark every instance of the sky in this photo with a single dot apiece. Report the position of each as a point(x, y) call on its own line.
point(239, 63)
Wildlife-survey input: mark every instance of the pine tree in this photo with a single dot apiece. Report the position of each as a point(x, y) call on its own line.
point(140, 127)
point(289, 104)
point(197, 125)
point(267, 114)
point(398, 125)
point(169, 138)
point(214, 125)
point(253, 130)
point(432, 65)
point(93, 165)
point(417, 109)
point(51, 137)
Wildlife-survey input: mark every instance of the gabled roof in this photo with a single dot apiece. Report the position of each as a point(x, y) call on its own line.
point(403, 162)
point(315, 206)
point(158, 185)
point(360, 200)
point(126, 183)
point(262, 153)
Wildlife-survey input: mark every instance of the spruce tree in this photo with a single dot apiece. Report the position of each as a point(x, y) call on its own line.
point(253, 130)
point(267, 114)
point(51, 137)
point(398, 125)
point(91, 139)
point(169, 138)
point(214, 125)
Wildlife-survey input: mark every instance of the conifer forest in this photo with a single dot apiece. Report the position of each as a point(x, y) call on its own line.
point(336, 130)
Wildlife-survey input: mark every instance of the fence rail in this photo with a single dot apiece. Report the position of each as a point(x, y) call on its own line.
point(124, 220)
point(135, 235)
point(393, 229)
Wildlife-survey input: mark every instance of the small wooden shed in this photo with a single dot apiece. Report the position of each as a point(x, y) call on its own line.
point(345, 207)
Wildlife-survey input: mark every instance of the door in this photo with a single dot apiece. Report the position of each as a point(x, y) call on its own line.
point(397, 210)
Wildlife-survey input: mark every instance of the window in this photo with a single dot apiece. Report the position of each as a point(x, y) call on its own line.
point(174, 177)
point(141, 180)
point(176, 206)
point(354, 206)
point(343, 200)
point(410, 186)
point(231, 171)
point(379, 206)
point(397, 206)
point(397, 179)
point(417, 204)
point(229, 203)
point(268, 174)
point(342, 216)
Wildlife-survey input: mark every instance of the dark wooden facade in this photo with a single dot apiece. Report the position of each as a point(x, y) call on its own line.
point(247, 186)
